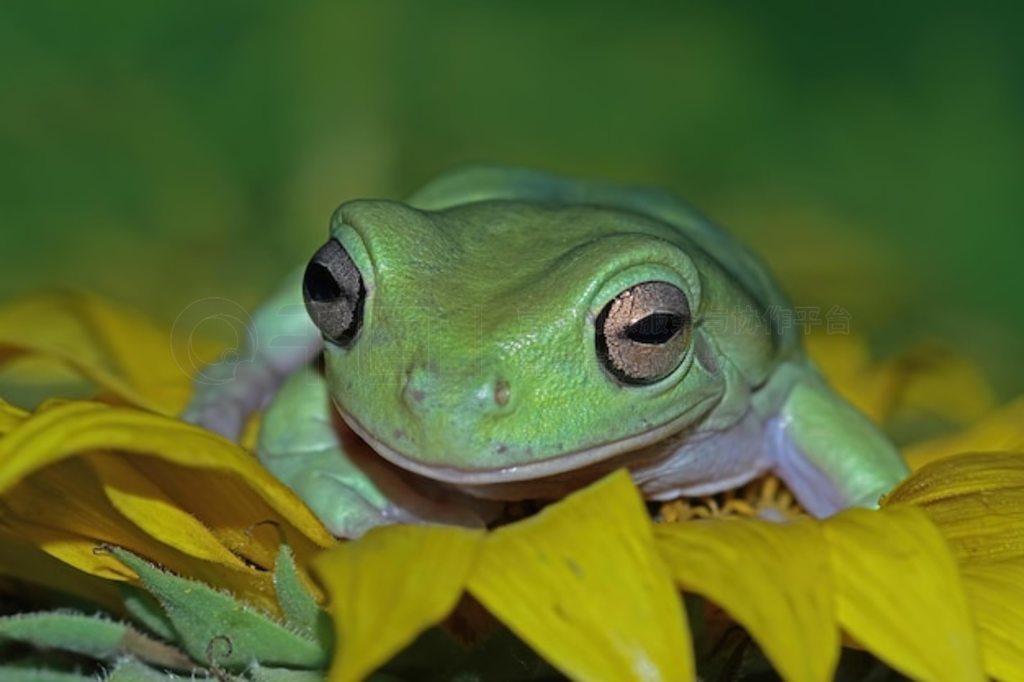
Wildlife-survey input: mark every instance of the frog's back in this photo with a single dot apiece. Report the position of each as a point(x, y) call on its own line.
point(484, 183)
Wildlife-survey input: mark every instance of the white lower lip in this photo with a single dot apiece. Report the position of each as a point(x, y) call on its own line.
point(558, 464)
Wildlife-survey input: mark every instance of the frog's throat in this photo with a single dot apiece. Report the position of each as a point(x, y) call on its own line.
point(558, 464)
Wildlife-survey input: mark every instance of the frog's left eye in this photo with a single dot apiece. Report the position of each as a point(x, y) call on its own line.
point(334, 293)
point(643, 333)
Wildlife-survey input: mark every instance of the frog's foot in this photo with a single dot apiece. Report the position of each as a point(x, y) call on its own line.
point(227, 393)
point(224, 417)
point(353, 490)
point(306, 445)
point(280, 339)
point(348, 513)
point(348, 508)
point(829, 454)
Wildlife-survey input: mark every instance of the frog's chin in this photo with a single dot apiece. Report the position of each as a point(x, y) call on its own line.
point(568, 462)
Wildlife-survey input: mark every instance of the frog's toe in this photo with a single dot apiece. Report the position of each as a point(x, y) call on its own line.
point(226, 417)
point(346, 512)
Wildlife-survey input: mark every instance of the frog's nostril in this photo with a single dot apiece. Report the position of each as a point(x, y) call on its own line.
point(416, 387)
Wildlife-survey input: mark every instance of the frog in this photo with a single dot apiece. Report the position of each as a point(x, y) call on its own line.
point(507, 335)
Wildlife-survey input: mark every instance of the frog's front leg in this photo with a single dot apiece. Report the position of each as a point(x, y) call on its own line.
point(280, 339)
point(828, 453)
point(344, 482)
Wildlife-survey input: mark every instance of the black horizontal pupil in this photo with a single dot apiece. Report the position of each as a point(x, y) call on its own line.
point(655, 329)
point(320, 284)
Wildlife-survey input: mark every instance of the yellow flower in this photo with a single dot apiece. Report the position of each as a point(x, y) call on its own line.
point(932, 583)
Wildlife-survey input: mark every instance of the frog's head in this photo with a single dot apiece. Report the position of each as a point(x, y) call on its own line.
point(502, 341)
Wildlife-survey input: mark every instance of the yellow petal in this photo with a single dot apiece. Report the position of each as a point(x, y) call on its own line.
point(977, 503)
point(144, 503)
point(10, 416)
point(115, 349)
point(899, 593)
point(976, 500)
point(389, 586)
point(77, 428)
point(922, 378)
point(26, 562)
point(1002, 430)
point(774, 579)
point(141, 351)
point(238, 519)
point(28, 379)
point(996, 594)
point(583, 584)
point(79, 552)
point(67, 500)
point(845, 361)
point(63, 511)
point(943, 383)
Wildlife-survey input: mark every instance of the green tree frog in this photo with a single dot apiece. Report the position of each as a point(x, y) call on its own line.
point(507, 334)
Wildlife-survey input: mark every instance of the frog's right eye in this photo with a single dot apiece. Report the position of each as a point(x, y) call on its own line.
point(643, 333)
point(334, 293)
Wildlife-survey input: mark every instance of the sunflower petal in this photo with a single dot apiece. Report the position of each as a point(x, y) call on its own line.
point(389, 586)
point(996, 594)
point(583, 584)
point(924, 377)
point(772, 578)
point(28, 380)
point(26, 562)
point(63, 511)
point(83, 553)
point(899, 593)
point(844, 359)
point(1001, 431)
point(944, 383)
point(976, 500)
point(142, 501)
point(236, 518)
point(115, 349)
point(76, 428)
point(10, 416)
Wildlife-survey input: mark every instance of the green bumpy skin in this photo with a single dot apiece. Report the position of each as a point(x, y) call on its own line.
point(477, 366)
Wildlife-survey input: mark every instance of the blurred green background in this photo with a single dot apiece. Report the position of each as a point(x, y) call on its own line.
point(160, 152)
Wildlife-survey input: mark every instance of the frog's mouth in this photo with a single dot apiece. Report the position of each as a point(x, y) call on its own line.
point(572, 461)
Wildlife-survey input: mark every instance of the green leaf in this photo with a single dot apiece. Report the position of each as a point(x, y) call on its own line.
point(89, 636)
point(258, 673)
point(130, 670)
point(146, 611)
point(217, 630)
point(86, 635)
point(12, 673)
point(297, 603)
